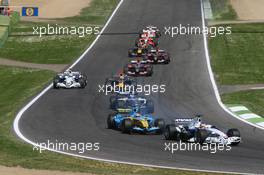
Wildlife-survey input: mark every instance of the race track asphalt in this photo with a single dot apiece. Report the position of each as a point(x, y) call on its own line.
point(79, 115)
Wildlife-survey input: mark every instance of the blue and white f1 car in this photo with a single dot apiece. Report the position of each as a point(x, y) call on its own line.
point(69, 79)
point(126, 103)
point(193, 130)
point(135, 122)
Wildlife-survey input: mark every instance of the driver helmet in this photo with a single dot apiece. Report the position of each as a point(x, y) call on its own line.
point(198, 124)
point(137, 114)
point(202, 126)
point(68, 71)
point(138, 61)
point(121, 76)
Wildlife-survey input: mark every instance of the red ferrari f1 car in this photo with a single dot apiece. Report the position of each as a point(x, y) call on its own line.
point(138, 68)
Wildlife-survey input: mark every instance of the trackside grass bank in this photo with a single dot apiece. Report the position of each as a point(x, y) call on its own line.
point(46, 50)
point(239, 58)
point(222, 10)
point(54, 49)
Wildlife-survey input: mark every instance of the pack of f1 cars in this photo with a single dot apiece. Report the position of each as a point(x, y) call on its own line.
point(193, 130)
point(69, 79)
point(157, 56)
point(135, 122)
point(121, 84)
point(126, 103)
point(133, 113)
point(138, 67)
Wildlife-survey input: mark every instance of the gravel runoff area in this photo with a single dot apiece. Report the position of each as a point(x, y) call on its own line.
point(249, 9)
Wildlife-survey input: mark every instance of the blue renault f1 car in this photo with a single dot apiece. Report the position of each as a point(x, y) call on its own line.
point(126, 103)
point(135, 122)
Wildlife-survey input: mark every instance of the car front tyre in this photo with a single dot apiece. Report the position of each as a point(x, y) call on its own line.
point(233, 133)
point(126, 126)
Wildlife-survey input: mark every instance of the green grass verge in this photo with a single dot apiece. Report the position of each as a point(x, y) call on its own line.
point(47, 50)
point(253, 100)
point(223, 10)
point(17, 86)
point(63, 49)
point(239, 58)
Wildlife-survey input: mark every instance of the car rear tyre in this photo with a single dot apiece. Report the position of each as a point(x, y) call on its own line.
point(167, 61)
point(171, 133)
point(111, 121)
point(150, 71)
point(82, 82)
point(55, 82)
point(201, 135)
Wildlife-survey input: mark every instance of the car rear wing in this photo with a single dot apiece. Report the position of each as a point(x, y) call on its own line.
point(187, 121)
point(182, 121)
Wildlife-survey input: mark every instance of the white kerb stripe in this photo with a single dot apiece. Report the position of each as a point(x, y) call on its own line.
point(238, 108)
point(260, 124)
point(249, 116)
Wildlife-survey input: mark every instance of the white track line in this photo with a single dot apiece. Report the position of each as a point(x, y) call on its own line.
point(20, 113)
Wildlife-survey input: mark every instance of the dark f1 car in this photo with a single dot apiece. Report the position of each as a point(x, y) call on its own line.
point(126, 103)
point(137, 52)
point(157, 56)
point(69, 79)
point(138, 68)
point(121, 84)
point(135, 122)
point(193, 130)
